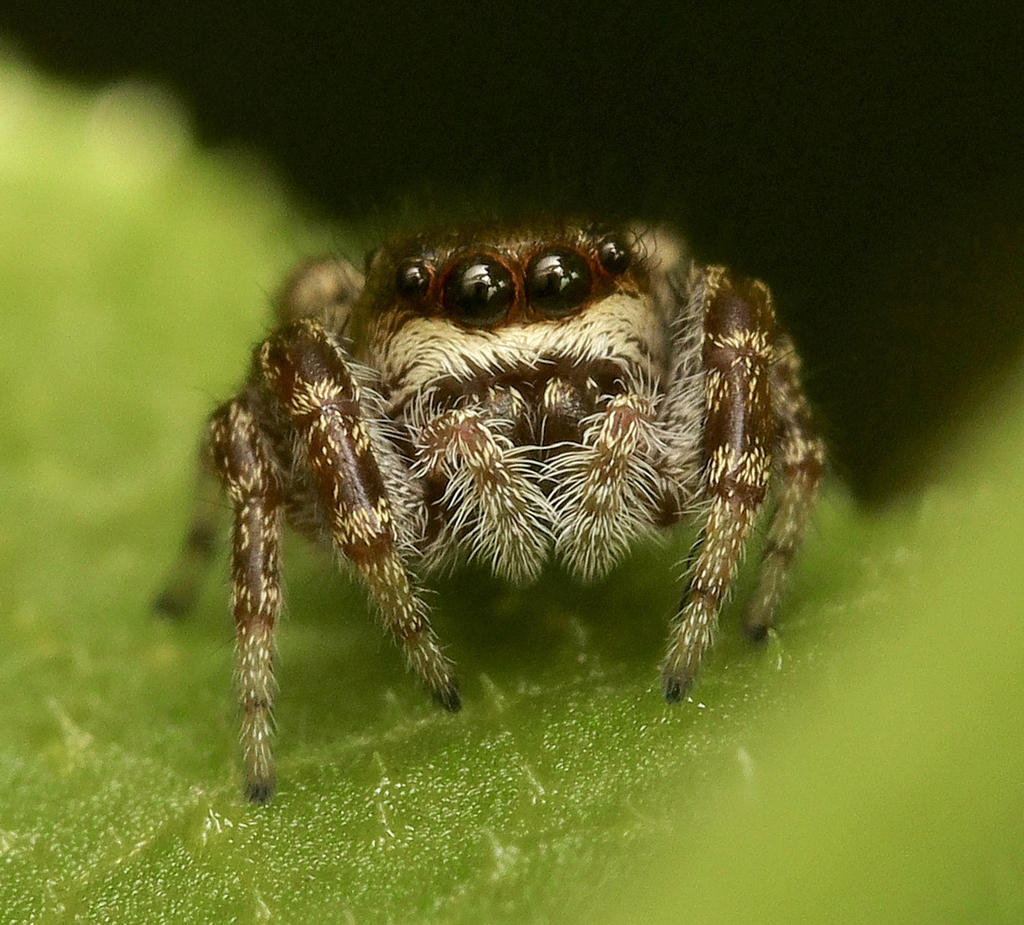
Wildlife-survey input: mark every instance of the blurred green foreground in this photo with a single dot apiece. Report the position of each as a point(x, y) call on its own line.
point(865, 767)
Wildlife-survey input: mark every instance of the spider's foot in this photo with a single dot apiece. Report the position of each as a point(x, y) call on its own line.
point(759, 616)
point(448, 697)
point(675, 683)
point(756, 630)
point(174, 602)
point(183, 582)
point(259, 790)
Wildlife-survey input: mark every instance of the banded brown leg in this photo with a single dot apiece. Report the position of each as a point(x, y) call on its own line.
point(306, 372)
point(803, 458)
point(251, 481)
point(182, 584)
point(738, 353)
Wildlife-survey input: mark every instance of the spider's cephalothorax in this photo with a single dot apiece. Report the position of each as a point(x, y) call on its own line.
point(506, 395)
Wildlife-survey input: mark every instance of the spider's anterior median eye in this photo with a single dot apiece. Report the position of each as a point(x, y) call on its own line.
point(614, 254)
point(558, 282)
point(412, 278)
point(479, 291)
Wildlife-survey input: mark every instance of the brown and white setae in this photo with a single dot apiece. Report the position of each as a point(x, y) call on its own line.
point(505, 396)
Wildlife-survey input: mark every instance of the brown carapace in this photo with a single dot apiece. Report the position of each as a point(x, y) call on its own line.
point(506, 396)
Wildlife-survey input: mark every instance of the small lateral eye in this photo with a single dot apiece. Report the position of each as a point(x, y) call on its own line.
point(412, 278)
point(479, 291)
point(614, 254)
point(558, 282)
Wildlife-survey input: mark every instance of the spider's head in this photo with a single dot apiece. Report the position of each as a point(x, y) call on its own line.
point(465, 302)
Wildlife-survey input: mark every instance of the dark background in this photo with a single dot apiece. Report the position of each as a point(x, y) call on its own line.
point(866, 160)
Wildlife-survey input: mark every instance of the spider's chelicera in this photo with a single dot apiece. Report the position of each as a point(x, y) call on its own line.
point(505, 396)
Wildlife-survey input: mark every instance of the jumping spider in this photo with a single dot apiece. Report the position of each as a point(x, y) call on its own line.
point(505, 395)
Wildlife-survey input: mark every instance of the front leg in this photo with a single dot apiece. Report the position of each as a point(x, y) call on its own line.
point(305, 369)
point(739, 431)
point(245, 463)
point(323, 288)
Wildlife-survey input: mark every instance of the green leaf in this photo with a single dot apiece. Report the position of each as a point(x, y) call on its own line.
point(865, 766)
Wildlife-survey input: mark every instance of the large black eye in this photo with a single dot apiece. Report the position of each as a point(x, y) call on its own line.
point(479, 291)
point(412, 278)
point(558, 282)
point(614, 254)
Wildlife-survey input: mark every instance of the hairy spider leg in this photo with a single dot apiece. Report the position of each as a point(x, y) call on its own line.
point(802, 455)
point(305, 369)
point(183, 581)
point(323, 287)
point(245, 463)
point(738, 353)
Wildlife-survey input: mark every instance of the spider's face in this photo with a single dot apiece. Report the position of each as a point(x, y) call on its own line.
point(492, 280)
point(468, 304)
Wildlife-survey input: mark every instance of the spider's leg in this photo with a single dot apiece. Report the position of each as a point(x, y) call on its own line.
point(738, 434)
point(183, 581)
point(323, 288)
point(251, 481)
point(307, 373)
point(802, 457)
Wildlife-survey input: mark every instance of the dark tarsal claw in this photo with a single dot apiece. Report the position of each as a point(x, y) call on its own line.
point(173, 604)
point(756, 632)
point(259, 791)
point(449, 698)
point(674, 686)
